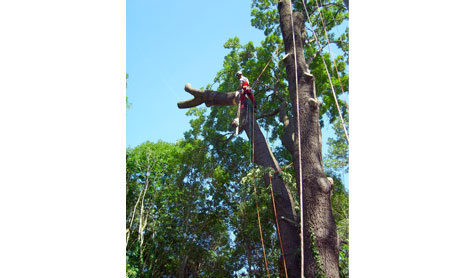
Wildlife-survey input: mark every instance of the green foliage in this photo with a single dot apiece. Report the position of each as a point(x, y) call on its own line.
point(344, 261)
point(337, 157)
point(234, 170)
point(176, 211)
point(131, 271)
point(253, 191)
point(319, 271)
point(257, 173)
point(340, 209)
point(270, 90)
point(265, 16)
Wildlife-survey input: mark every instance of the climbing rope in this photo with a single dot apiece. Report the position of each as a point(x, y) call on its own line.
point(257, 79)
point(254, 184)
point(275, 216)
point(329, 77)
point(300, 150)
point(277, 226)
point(261, 235)
point(329, 47)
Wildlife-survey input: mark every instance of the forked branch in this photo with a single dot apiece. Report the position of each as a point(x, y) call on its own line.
point(210, 98)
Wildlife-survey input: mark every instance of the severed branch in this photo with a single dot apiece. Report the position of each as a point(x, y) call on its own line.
point(210, 98)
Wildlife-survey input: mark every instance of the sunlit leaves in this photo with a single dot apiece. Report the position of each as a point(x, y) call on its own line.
point(183, 199)
point(337, 158)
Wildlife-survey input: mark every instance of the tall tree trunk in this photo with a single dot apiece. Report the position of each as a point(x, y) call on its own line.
point(318, 217)
point(249, 259)
point(182, 266)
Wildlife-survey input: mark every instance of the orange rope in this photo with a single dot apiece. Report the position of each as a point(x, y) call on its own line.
point(261, 235)
point(257, 79)
point(254, 185)
point(278, 230)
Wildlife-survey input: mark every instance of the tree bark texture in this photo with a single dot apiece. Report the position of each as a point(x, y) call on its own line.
point(264, 157)
point(208, 97)
point(318, 217)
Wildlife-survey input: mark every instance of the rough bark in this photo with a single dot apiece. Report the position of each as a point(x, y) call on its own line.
point(207, 97)
point(318, 216)
point(262, 156)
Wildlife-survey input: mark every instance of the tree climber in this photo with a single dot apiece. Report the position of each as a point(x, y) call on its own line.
point(245, 86)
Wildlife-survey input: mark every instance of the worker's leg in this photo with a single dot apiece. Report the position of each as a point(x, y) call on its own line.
point(250, 95)
point(242, 98)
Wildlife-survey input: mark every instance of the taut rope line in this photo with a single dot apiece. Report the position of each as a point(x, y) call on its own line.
point(300, 150)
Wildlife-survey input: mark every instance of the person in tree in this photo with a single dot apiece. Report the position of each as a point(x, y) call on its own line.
point(245, 86)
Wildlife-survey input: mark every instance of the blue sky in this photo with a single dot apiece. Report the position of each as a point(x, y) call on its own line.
point(169, 44)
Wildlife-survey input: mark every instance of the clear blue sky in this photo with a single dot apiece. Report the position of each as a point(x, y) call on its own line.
point(169, 44)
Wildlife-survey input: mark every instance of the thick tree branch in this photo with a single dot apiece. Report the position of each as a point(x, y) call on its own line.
point(288, 136)
point(275, 112)
point(208, 97)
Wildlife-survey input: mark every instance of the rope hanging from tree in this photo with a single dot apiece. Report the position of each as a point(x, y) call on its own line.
point(300, 150)
point(250, 107)
point(254, 185)
point(277, 226)
point(257, 79)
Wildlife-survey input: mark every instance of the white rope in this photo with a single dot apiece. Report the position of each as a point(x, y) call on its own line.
point(329, 47)
point(300, 151)
point(329, 77)
point(238, 113)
